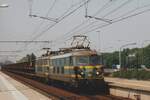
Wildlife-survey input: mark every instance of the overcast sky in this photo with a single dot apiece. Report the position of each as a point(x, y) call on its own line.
point(15, 23)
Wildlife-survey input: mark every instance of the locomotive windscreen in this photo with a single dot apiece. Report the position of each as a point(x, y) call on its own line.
point(88, 60)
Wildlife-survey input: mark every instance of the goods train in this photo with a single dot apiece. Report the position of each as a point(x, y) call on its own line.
point(75, 66)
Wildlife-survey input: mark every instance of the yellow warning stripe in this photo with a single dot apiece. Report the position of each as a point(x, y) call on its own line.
point(87, 67)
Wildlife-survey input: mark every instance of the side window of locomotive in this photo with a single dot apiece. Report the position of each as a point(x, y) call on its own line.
point(54, 65)
point(51, 62)
point(57, 62)
point(46, 69)
point(71, 61)
point(74, 61)
point(63, 62)
point(44, 62)
point(41, 62)
point(57, 69)
point(54, 68)
point(54, 62)
point(47, 61)
point(62, 70)
point(40, 69)
point(67, 61)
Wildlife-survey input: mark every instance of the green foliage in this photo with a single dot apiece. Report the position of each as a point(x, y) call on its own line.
point(131, 58)
point(146, 53)
point(110, 58)
point(28, 58)
point(133, 74)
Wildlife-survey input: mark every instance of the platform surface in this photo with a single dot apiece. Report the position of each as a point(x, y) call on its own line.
point(132, 84)
point(11, 89)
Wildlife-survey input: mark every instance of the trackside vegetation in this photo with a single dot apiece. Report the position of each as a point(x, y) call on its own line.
point(130, 58)
point(133, 74)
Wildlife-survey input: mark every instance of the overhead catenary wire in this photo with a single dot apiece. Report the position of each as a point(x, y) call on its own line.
point(30, 6)
point(38, 27)
point(99, 11)
point(104, 25)
point(102, 8)
point(45, 17)
point(70, 8)
point(121, 19)
point(86, 8)
point(59, 20)
point(109, 13)
point(49, 10)
point(130, 12)
point(58, 17)
point(85, 21)
point(90, 24)
point(112, 11)
point(117, 8)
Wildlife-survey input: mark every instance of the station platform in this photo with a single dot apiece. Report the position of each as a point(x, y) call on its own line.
point(11, 89)
point(132, 84)
point(133, 89)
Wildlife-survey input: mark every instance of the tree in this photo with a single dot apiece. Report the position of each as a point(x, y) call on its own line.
point(146, 56)
point(28, 58)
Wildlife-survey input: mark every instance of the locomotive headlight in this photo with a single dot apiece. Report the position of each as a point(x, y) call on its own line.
point(81, 73)
point(97, 73)
point(89, 74)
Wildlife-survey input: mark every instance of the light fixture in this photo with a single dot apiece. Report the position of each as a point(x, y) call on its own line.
point(4, 5)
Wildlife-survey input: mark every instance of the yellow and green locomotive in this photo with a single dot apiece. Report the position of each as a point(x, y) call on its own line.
point(77, 67)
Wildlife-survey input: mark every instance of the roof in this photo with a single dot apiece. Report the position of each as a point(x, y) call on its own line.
point(75, 53)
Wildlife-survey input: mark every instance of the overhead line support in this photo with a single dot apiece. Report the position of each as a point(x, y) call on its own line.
point(46, 18)
point(102, 19)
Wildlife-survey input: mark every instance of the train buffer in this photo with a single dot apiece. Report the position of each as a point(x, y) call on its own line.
point(11, 89)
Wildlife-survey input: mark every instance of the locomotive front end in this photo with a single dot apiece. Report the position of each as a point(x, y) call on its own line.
point(89, 72)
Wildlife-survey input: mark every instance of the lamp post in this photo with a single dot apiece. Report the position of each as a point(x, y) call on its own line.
point(4, 5)
point(120, 51)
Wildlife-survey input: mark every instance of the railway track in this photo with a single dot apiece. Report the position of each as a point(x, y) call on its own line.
point(59, 93)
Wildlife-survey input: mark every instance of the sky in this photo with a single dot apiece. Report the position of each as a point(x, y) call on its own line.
point(16, 24)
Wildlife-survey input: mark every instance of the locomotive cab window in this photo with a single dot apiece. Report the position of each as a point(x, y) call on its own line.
point(95, 60)
point(86, 60)
point(82, 60)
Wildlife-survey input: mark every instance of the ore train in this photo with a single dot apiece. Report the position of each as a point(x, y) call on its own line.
point(75, 67)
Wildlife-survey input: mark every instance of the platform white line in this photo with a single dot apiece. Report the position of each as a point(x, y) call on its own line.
point(16, 94)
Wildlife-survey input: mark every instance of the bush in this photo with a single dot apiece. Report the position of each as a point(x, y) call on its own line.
point(133, 74)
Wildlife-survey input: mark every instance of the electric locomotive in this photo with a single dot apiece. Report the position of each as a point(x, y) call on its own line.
point(76, 66)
